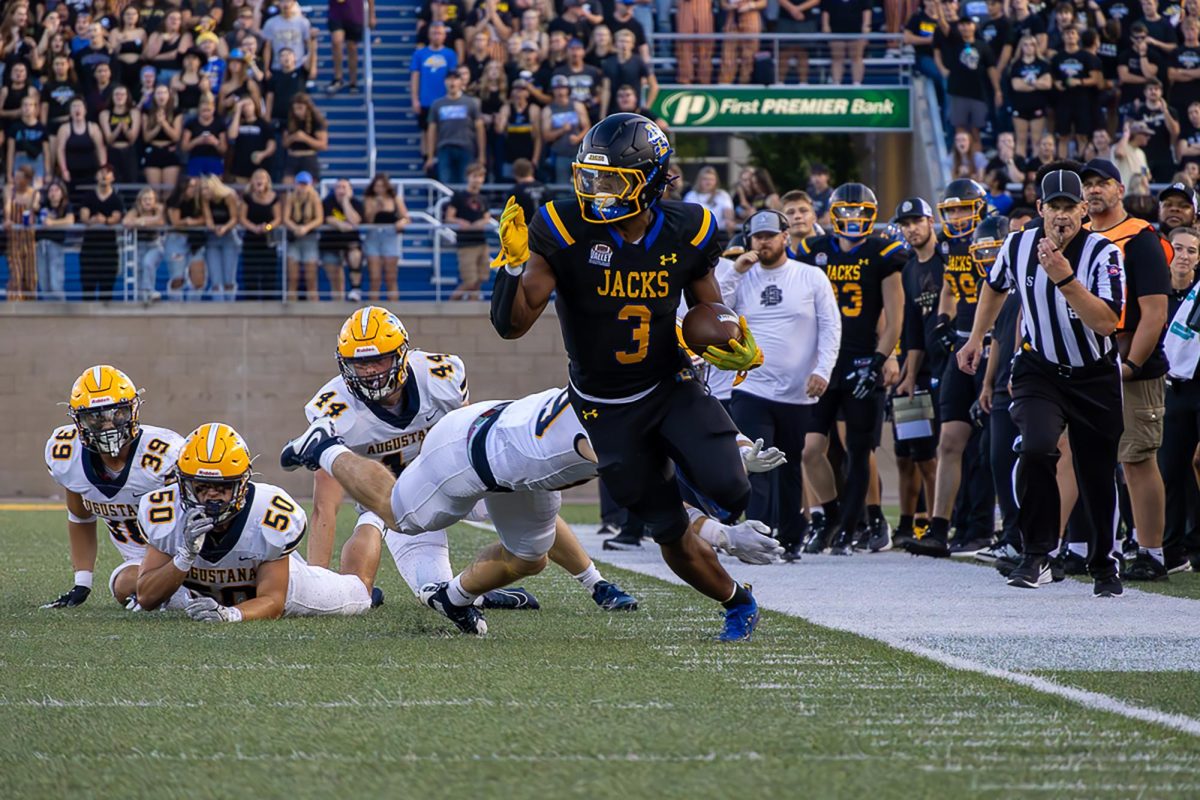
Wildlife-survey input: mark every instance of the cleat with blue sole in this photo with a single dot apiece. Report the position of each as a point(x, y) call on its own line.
point(740, 621)
point(611, 597)
point(510, 598)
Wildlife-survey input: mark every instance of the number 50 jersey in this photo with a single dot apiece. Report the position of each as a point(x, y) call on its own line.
point(616, 299)
point(114, 499)
point(435, 385)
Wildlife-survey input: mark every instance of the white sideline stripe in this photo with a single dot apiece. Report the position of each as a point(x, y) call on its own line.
point(648, 562)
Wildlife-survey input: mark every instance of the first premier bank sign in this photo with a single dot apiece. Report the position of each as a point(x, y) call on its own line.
point(770, 108)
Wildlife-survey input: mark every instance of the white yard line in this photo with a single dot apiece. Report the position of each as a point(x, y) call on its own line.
point(965, 617)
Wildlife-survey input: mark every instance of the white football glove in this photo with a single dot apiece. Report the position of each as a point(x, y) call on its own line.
point(195, 527)
point(756, 459)
point(749, 541)
point(205, 609)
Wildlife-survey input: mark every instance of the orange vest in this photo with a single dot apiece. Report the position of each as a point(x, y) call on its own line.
point(1120, 234)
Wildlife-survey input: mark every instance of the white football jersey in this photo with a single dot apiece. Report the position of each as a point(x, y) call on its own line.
point(269, 527)
point(115, 499)
point(436, 385)
point(535, 444)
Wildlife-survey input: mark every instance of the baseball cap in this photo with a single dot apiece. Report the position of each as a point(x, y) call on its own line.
point(1062, 183)
point(236, 54)
point(1178, 188)
point(1140, 127)
point(528, 45)
point(766, 221)
point(560, 81)
point(207, 36)
point(304, 177)
point(575, 43)
point(912, 207)
point(1102, 167)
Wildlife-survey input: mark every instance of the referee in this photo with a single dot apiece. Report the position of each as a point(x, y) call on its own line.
point(1071, 285)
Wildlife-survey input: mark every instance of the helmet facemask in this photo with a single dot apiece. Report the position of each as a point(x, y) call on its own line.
point(963, 224)
point(853, 220)
point(984, 253)
point(194, 487)
point(608, 194)
point(107, 429)
point(375, 377)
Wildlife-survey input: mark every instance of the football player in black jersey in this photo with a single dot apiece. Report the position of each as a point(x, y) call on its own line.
point(865, 273)
point(963, 205)
point(619, 260)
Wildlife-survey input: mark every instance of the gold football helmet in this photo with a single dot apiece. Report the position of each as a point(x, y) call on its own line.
point(372, 353)
point(104, 405)
point(214, 471)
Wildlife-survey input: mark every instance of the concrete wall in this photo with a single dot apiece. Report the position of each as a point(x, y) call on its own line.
point(251, 365)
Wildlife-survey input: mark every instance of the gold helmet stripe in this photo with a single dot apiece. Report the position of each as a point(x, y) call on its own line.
point(213, 430)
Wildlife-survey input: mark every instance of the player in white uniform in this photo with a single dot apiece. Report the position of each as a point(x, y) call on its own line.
point(232, 542)
point(104, 461)
point(514, 456)
point(384, 401)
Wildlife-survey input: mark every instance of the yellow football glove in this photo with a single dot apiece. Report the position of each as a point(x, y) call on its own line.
point(740, 356)
point(514, 237)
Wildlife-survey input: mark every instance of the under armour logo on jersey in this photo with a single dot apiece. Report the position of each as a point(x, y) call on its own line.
point(669, 258)
point(590, 413)
point(771, 296)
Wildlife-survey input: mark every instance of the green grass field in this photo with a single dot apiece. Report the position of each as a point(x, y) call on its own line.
point(566, 701)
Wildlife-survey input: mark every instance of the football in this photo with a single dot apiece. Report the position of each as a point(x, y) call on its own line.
point(707, 324)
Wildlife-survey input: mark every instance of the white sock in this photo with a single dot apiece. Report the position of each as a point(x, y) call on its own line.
point(590, 576)
point(1156, 553)
point(1078, 548)
point(1054, 553)
point(457, 594)
point(330, 454)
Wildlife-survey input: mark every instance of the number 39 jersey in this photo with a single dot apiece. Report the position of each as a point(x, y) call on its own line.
point(114, 499)
point(616, 299)
point(435, 386)
point(964, 277)
point(269, 527)
point(535, 444)
point(857, 277)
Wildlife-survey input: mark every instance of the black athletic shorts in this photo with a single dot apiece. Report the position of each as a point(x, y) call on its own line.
point(862, 417)
point(958, 391)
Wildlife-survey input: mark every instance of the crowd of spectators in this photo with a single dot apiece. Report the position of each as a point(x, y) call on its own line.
point(1021, 85)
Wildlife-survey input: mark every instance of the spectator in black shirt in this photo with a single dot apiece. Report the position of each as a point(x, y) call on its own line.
point(996, 31)
point(921, 31)
point(1062, 19)
point(479, 55)
point(1164, 129)
point(529, 192)
point(468, 214)
point(627, 69)
point(1076, 77)
point(1024, 22)
point(572, 22)
point(846, 16)
point(1162, 34)
point(972, 80)
point(1137, 66)
point(622, 19)
point(253, 142)
point(1124, 13)
point(1187, 149)
point(101, 209)
point(490, 15)
point(1184, 72)
point(1029, 82)
point(89, 57)
point(588, 84)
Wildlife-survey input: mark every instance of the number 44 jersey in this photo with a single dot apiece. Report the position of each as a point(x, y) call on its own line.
point(114, 498)
point(435, 385)
point(617, 299)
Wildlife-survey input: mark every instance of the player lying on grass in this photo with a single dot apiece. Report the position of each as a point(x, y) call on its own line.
point(104, 461)
point(385, 399)
point(232, 542)
point(515, 457)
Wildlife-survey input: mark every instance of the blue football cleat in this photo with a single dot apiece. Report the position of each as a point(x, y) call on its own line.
point(305, 450)
point(376, 597)
point(511, 598)
point(468, 619)
point(740, 622)
point(611, 597)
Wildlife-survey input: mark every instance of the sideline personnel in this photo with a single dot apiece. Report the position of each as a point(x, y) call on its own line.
point(1071, 285)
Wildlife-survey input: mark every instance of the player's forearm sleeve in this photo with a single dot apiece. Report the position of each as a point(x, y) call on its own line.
point(504, 294)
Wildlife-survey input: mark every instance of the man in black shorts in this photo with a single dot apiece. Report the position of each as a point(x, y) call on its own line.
point(865, 273)
point(346, 30)
point(619, 261)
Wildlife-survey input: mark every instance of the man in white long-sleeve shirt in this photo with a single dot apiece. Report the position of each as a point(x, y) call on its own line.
point(794, 314)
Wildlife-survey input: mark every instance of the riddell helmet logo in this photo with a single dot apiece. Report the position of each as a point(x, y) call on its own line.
point(690, 108)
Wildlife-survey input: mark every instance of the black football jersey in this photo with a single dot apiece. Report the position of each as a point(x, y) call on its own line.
point(616, 300)
point(965, 277)
point(857, 276)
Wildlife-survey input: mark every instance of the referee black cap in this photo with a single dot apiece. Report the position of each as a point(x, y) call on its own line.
point(1062, 183)
point(912, 207)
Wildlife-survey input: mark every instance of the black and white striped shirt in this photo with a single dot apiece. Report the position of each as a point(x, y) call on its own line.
point(1049, 324)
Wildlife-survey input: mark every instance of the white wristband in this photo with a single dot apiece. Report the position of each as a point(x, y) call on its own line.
point(331, 454)
point(235, 614)
point(83, 577)
point(79, 520)
point(514, 269)
point(183, 563)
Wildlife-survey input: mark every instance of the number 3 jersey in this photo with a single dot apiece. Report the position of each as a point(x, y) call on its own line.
point(436, 385)
point(269, 527)
point(114, 498)
point(857, 277)
point(616, 299)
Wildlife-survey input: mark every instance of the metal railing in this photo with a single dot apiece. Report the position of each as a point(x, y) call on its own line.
point(885, 60)
point(369, 70)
